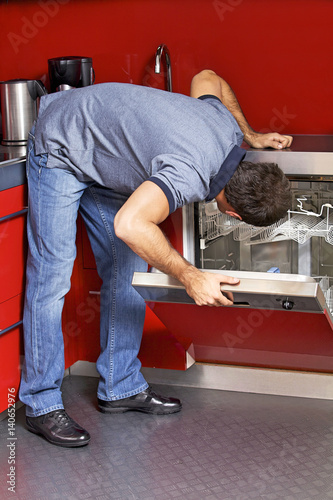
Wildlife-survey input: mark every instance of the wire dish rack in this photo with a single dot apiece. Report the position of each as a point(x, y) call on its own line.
point(300, 226)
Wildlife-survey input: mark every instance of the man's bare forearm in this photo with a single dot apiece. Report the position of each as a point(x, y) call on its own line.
point(136, 224)
point(231, 103)
point(224, 92)
point(148, 241)
point(251, 137)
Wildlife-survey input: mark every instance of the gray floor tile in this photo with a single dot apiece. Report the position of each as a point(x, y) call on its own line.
point(221, 446)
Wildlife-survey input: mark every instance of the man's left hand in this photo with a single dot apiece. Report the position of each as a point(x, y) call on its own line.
point(271, 140)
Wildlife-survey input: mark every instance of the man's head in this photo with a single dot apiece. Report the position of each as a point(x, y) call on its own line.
point(259, 193)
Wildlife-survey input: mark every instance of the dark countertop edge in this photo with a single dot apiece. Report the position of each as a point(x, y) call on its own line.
point(302, 143)
point(12, 174)
point(12, 161)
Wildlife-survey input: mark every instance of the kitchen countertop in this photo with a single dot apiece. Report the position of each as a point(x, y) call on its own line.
point(309, 157)
point(12, 166)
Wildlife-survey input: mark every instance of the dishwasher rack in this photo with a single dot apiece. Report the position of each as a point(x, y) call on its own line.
point(299, 225)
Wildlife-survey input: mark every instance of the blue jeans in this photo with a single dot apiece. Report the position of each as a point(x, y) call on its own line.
point(55, 198)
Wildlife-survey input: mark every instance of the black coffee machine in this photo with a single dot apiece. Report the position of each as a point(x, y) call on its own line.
point(70, 72)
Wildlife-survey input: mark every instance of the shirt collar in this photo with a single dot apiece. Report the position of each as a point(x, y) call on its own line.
point(226, 171)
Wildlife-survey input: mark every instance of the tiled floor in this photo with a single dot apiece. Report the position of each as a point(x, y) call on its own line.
point(222, 445)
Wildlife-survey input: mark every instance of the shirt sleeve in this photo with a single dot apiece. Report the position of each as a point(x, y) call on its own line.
point(180, 180)
point(208, 96)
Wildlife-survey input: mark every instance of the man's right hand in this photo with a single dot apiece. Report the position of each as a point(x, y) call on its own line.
point(205, 287)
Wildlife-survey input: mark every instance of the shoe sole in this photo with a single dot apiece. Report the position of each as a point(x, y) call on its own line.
point(63, 445)
point(142, 410)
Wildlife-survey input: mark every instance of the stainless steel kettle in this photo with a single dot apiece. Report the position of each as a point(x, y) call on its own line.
point(19, 108)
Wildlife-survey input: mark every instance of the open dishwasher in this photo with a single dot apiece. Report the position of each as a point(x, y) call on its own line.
point(283, 307)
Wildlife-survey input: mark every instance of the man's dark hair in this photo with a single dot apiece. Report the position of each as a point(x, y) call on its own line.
point(259, 193)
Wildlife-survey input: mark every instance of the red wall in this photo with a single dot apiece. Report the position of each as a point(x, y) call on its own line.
point(276, 54)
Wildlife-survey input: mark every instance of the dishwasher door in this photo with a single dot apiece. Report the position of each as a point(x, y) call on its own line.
point(271, 291)
point(276, 321)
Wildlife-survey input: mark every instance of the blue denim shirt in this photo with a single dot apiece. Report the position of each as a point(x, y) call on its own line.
point(120, 135)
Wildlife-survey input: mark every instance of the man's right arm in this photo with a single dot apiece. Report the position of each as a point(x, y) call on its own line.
point(136, 224)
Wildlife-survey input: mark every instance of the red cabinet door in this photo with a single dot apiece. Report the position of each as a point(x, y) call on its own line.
point(11, 349)
point(12, 273)
point(12, 242)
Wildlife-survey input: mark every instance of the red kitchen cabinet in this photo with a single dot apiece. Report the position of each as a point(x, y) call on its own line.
point(12, 241)
point(11, 348)
point(13, 200)
point(13, 252)
point(12, 271)
point(81, 316)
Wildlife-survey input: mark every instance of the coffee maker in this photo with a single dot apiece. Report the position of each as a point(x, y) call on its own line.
point(70, 72)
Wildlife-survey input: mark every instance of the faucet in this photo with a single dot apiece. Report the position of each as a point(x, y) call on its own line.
point(163, 49)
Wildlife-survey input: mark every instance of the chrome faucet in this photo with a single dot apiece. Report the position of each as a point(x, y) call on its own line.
point(163, 49)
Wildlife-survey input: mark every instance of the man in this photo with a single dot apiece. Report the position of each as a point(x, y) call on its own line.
point(125, 157)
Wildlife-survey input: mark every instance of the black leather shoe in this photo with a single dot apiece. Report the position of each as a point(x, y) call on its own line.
point(59, 428)
point(147, 402)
